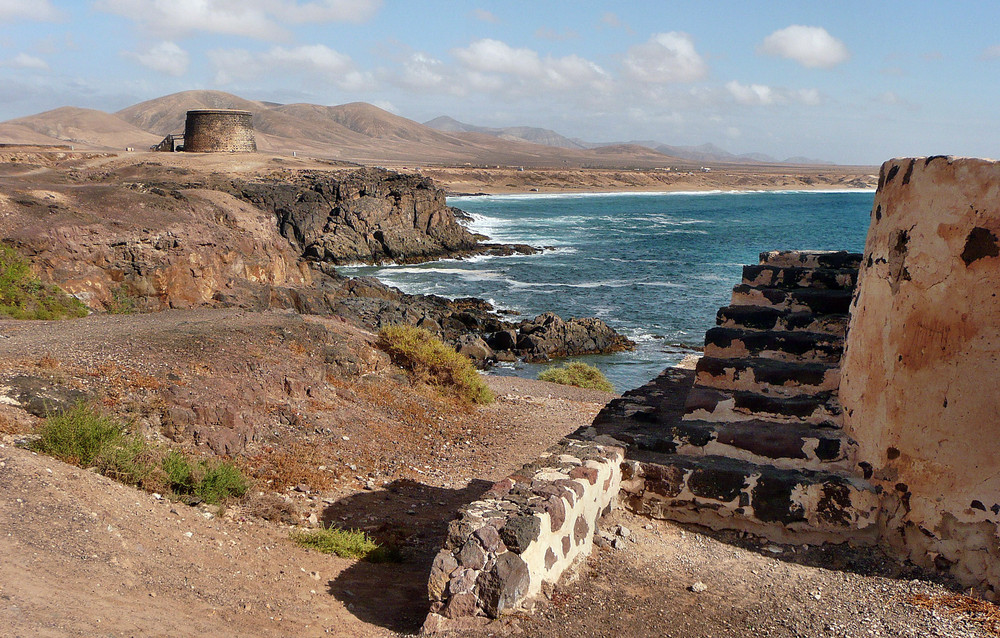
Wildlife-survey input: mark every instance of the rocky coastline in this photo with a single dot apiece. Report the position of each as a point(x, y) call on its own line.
point(150, 237)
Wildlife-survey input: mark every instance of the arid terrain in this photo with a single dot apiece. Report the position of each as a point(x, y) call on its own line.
point(223, 340)
point(467, 162)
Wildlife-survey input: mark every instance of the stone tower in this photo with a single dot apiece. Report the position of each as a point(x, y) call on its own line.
point(219, 131)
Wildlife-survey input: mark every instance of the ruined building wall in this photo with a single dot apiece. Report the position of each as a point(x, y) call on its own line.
point(219, 130)
point(921, 375)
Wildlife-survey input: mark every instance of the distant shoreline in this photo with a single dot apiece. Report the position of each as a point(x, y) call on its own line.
point(579, 193)
point(465, 182)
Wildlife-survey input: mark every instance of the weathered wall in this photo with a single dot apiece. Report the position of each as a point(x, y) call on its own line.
point(920, 376)
point(219, 130)
point(522, 534)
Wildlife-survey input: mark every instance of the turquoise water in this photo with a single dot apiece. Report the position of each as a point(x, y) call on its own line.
point(654, 266)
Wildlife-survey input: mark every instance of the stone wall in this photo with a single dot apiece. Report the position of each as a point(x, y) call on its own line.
point(523, 534)
point(219, 131)
point(920, 376)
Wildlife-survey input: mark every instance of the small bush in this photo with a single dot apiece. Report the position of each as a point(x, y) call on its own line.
point(79, 435)
point(430, 360)
point(24, 296)
point(122, 301)
point(132, 462)
point(579, 374)
point(83, 436)
point(179, 472)
point(345, 543)
point(220, 481)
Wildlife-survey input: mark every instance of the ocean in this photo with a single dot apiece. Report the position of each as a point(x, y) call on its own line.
point(655, 266)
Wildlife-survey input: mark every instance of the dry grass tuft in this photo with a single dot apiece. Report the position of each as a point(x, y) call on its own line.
point(293, 464)
point(431, 361)
point(982, 612)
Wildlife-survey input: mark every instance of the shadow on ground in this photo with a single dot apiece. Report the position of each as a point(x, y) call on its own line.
point(412, 517)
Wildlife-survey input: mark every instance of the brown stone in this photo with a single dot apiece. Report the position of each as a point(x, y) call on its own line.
point(442, 567)
point(504, 586)
point(567, 544)
point(581, 530)
point(488, 537)
point(460, 606)
point(550, 558)
point(472, 555)
point(588, 473)
point(463, 582)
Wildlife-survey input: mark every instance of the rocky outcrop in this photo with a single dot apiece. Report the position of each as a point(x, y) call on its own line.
point(367, 216)
point(173, 240)
point(548, 335)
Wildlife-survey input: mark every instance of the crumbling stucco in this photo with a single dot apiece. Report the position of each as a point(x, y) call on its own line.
point(920, 384)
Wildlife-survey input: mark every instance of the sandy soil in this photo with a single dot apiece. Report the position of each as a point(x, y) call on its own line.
point(720, 177)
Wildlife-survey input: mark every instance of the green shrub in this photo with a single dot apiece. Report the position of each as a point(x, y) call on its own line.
point(579, 374)
point(122, 301)
point(179, 472)
point(83, 436)
point(24, 296)
point(345, 543)
point(132, 462)
point(79, 435)
point(220, 481)
point(430, 360)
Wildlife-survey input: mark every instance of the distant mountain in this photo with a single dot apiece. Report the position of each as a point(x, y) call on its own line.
point(356, 132)
point(166, 114)
point(705, 153)
point(531, 134)
point(69, 124)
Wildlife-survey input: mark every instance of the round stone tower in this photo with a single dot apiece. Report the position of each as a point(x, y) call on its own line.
point(219, 131)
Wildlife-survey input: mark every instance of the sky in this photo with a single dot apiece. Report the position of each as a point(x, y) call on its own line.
point(849, 82)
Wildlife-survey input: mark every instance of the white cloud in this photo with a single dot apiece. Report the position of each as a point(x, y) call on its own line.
point(751, 94)
point(422, 71)
point(493, 56)
point(309, 60)
point(666, 57)
point(812, 47)
point(485, 16)
point(763, 95)
point(25, 61)
point(28, 10)
point(492, 63)
point(252, 18)
point(312, 57)
point(165, 57)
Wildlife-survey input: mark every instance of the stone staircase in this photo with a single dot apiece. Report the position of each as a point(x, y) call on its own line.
point(753, 439)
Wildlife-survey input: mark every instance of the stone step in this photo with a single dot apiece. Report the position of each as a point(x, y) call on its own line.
point(816, 301)
point(767, 376)
point(811, 258)
point(708, 404)
point(784, 505)
point(780, 319)
point(785, 445)
point(731, 343)
point(764, 276)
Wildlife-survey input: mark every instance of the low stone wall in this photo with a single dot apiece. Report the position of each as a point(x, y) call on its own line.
point(522, 535)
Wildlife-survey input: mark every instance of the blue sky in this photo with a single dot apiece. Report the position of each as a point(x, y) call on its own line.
point(852, 82)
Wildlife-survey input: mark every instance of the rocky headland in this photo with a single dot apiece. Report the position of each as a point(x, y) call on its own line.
point(146, 236)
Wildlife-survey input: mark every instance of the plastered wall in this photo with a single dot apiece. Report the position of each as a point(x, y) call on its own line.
point(921, 375)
